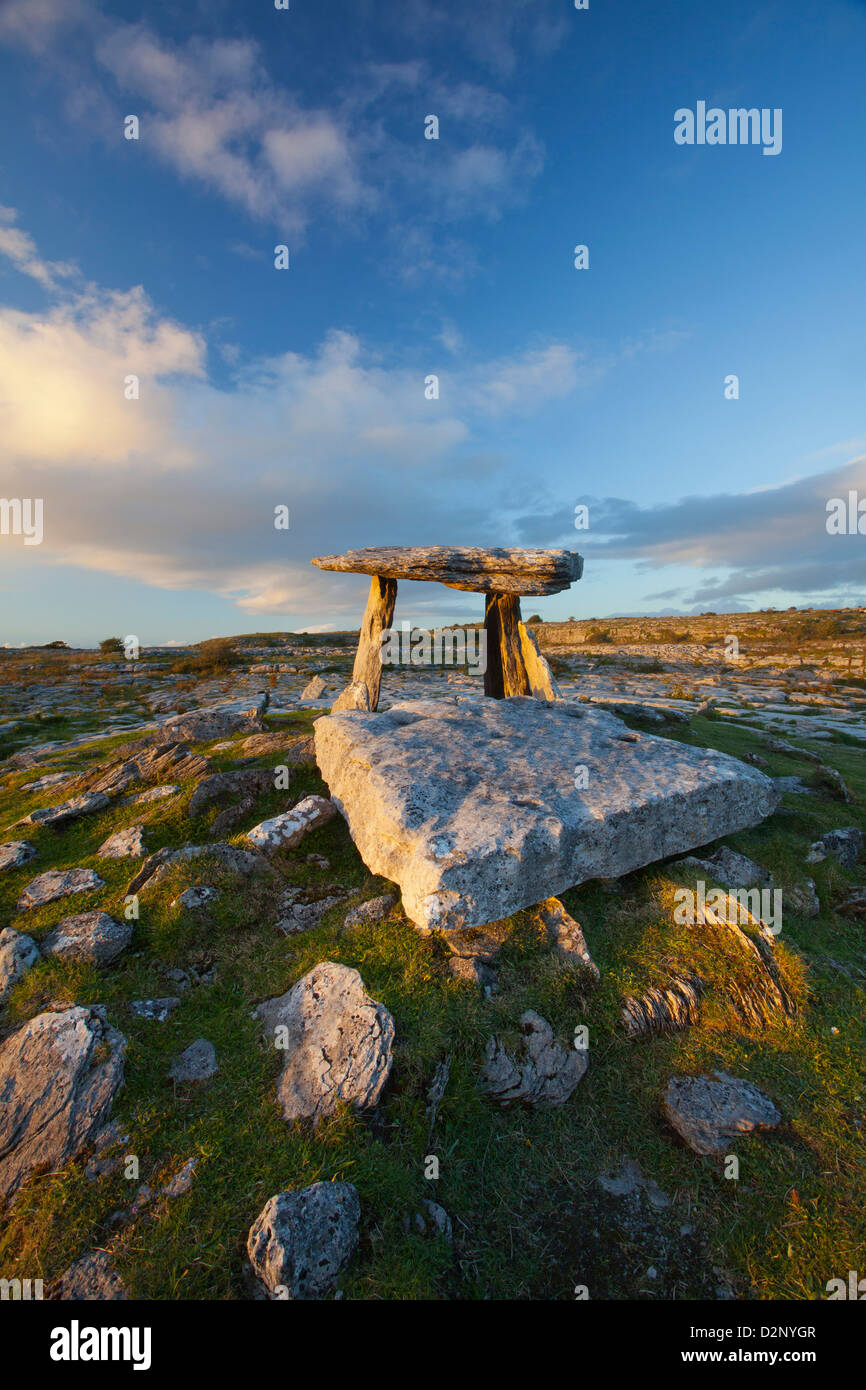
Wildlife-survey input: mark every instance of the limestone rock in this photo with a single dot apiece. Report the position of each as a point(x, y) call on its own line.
point(630, 1180)
point(853, 906)
point(58, 1077)
point(67, 810)
point(124, 844)
point(258, 745)
point(302, 1240)
point(337, 1043)
point(314, 689)
point(58, 883)
point(712, 1112)
point(196, 1063)
point(803, 898)
point(93, 1278)
point(731, 869)
point(157, 794)
point(664, 1009)
point(286, 831)
point(566, 935)
point(203, 725)
point(355, 696)
point(154, 1010)
point(93, 937)
point(543, 1073)
point(472, 970)
point(248, 782)
point(18, 954)
point(470, 804)
point(303, 916)
point(372, 911)
point(15, 853)
point(157, 867)
point(846, 845)
point(198, 896)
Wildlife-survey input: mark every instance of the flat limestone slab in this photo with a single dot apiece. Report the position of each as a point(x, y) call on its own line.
point(474, 568)
point(470, 804)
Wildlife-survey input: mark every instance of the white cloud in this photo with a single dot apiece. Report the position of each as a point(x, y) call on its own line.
point(20, 249)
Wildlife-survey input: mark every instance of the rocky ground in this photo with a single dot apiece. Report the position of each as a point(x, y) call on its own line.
point(230, 1066)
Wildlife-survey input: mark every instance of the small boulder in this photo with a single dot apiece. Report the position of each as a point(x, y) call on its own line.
point(302, 1240)
point(337, 1043)
point(58, 883)
point(846, 845)
point(803, 898)
point(154, 1010)
point(93, 937)
point(566, 936)
point(14, 853)
point(198, 896)
point(67, 810)
point(59, 1074)
point(286, 831)
point(18, 954)
point(372, 911)
point(93, 1279)
point(314, 689)
point(196, 1063)
point(854, 905)
point(712, 1112)
point(543, 1074)
point(124, 844)
point(355, 696)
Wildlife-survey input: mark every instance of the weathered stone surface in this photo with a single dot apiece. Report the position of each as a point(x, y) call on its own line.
point(337, 1043)
point(287, 830)
point(58, 1077)
point(258, 745)
point(158, 866)
point(630, 1180)
point(474, 568)
point(542, 1074)
point(147, 764)
point(14, 853)
point(203, 725)
point(198, 896)
point(855, 903)
point(566, 935)
point(470, 805)
point(303, 750)
point(93, 1278)
point(88, 936)
point(314, 689)
point(355, 696)
point(154, 1010)
point(302, 1240)
point(711, 1112)
point(249, 782)
point(182, 1180)
point(363, 691)
point(303, 916)
point(803, 898)
point(846, 845)
point(731, 869)
point(18, 954)
point(124, 844)
point(664, 1009)
point(156, 794)
point(67, 810)
point(49, 779)
point(542, 685)
point(472, 970)
point(372, 911)
point(196, 1063)
point(58, 883)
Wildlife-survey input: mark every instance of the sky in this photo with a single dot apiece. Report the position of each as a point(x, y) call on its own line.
point(308, 387)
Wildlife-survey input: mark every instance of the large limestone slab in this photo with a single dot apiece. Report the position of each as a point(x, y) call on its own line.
point(476, 807)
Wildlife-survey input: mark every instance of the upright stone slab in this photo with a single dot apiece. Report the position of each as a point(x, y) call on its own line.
point(471, 805)
point(378, 617)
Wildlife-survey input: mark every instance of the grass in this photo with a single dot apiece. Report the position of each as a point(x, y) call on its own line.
point(530, 1221)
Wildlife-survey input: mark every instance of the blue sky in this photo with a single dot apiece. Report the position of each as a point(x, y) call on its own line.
point(454, 256)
